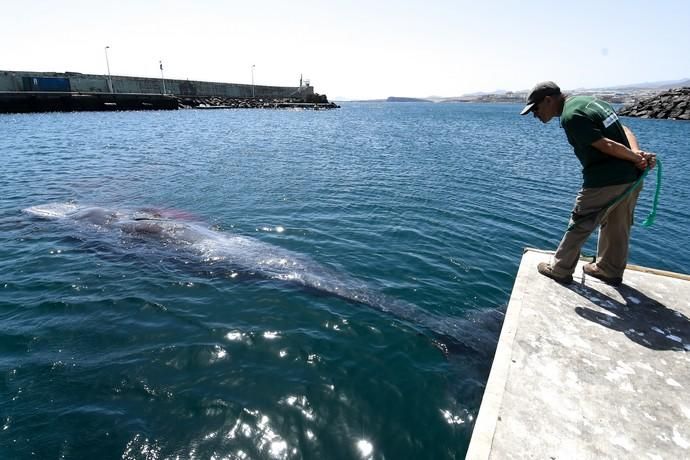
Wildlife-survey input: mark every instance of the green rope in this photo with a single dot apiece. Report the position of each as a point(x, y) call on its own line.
point(649, 221)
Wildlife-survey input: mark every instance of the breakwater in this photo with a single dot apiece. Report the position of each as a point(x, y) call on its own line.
point(673, 104)
point(315, 101)
point(32, 102)
point(22, 92)
point(28, 102)
point(20, 81)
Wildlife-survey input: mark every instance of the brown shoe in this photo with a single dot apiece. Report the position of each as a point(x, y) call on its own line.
point(591, 269)
point(546, 270)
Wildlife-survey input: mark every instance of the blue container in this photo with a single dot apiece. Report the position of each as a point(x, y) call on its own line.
point(46, 84)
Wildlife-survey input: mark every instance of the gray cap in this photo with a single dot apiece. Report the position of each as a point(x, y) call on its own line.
point(539, 92)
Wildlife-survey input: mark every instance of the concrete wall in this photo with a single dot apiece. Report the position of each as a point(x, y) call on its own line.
point(13, 81)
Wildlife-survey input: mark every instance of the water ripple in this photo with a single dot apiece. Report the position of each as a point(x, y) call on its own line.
point(114, 346)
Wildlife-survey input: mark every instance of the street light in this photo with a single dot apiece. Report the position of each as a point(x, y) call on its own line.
point(162, 77)
point(253, 79)
point(110, 80)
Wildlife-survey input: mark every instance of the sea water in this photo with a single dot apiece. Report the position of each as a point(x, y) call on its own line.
point(117, 346)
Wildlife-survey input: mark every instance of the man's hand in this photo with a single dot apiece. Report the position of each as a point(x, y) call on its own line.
point(651, 159)
point(644, 159)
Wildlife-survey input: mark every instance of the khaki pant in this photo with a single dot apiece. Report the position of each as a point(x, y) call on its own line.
point(615, 222)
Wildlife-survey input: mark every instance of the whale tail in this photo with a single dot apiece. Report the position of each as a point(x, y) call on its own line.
point(475, 334)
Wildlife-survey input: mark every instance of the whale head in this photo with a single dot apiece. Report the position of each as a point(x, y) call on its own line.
point(91, 214)
point(51, 210)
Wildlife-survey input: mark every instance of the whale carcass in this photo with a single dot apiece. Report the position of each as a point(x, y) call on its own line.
point(255, 257)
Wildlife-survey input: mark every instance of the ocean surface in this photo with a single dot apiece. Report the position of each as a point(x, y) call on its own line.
point(411, 218)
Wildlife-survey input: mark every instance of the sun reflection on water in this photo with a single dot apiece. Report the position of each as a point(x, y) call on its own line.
point(271, 335)
point(453, 419)
point(365, 448)
point(262, 434)
point(302, 404)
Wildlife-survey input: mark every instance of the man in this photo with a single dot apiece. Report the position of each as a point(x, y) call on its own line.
point(612, 162)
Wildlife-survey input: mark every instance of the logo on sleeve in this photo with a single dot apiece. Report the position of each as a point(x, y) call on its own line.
point(611, 119)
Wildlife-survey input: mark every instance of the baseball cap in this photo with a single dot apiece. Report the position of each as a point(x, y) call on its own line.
point(539, 92)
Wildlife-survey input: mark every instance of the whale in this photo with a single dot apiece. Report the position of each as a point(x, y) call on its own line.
point(250, 256)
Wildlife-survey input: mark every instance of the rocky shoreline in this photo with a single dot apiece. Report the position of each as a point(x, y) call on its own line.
point(312, 102)
point(57, 101)
point(671, 104)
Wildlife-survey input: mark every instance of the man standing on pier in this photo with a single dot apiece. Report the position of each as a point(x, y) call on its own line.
point(612, 162)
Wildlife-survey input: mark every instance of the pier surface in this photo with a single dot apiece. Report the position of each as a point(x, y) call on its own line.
point(589, 371)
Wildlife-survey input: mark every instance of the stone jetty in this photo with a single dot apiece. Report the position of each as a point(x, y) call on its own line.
point(22, 92)
point(313, 102)
point(672, 104)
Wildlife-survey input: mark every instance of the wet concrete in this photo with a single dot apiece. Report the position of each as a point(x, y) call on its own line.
point(588, 370)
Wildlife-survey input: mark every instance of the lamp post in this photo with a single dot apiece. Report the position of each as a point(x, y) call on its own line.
point(253, 79)
point(162, 77)
point(110, 80)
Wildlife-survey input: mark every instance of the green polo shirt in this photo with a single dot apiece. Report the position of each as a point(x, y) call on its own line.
point(587, 119)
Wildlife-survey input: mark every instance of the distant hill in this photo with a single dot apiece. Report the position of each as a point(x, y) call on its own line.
point(508, 96)
point(406, 99)
point(389, 99)
point(619, 93)
point(657, 85)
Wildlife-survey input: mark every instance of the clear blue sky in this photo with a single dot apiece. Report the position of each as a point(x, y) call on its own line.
point(357, 48)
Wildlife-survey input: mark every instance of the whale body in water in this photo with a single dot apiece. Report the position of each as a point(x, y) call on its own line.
point(253, 256)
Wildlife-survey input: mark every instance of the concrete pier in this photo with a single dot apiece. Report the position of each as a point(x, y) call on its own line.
point(55, 101)
point(589, 371)
point(15, 81)
point(24, 92)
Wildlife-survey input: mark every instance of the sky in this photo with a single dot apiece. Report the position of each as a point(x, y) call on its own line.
point(357, 49)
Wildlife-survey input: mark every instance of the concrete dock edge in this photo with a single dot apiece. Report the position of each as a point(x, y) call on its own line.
point(485, 425)
point(588, 370)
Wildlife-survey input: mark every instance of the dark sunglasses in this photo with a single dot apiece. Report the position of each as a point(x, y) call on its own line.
point(535, 107)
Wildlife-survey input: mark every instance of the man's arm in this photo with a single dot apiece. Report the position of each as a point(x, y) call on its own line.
point(635, 146)
point(634, 154)
point(632, 139)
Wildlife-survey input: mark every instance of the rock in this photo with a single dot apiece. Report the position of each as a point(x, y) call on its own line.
point(675, 113)
point(316, 102)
